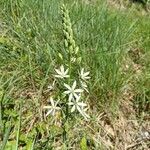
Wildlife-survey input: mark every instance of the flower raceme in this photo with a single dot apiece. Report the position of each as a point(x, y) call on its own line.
point(72, 91)
point(73, 94)
point(62, 73)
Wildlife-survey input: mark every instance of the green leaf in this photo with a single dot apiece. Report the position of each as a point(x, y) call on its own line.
point(6, 137)
point(83, 144)
point(11, 145)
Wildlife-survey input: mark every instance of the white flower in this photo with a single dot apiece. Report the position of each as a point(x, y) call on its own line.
point(84, 86)
point(72, 91)
point(84, 75)
point(51, 87)
point(61, 73)
point(79, 106)
point(53, 108)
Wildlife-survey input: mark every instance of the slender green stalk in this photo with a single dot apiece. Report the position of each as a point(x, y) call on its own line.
point(70, 48)
point(19, 126)
point(1, 116)
point(6, 137)
point(33, 143)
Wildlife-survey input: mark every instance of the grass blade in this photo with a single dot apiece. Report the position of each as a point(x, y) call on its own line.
point(6, 138)
point(19, 126)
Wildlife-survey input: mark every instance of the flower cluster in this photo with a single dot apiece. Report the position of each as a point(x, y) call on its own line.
point(72, 92)
point(71, 82)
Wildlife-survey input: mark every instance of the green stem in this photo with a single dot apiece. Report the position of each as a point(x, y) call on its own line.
point(19, 126)
point(1, 117)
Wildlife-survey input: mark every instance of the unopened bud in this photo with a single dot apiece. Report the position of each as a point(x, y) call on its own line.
point(79, 59)
point(66, 43)
point(76, 50)
point(60, 56)
point(71, 49)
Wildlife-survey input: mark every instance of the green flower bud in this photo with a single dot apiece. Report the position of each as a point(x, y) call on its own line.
point(71, 49)
point(60, 56)
point(76, 50)
point(66, 43)
point(79, 59)
point(67, 36)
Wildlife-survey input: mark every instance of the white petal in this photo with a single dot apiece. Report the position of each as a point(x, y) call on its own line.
point(47, 107)
point(66, 71)
point(58, 76)
point(70, 97)
point(50, 87)
point(57, 108)
point(58, 71)
point(78, 90)
point(74, 85)
point(82, 71)
point(66, 76)
point(87, 77)
point(73, 108)
point(62, 68)
point(67, 92)
point(67, 86)
point(80, 110)
point(83, 84)
point(52, 101)
point(86, 73)
point(86, 116)
point(70, 103)
point(85, 109)
point(49, 112)
point(76, 96)
point(83, 113)
point(57, 103)
point(53, 112)
point(53, 83)
point(86, 90)
point(82, 104)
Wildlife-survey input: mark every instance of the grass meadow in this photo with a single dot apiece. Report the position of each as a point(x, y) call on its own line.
point(109, 41)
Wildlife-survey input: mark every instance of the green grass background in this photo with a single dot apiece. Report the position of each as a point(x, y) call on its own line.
point(31, 37)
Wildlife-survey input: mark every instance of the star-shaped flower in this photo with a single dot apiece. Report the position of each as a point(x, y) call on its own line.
point(53, 108)
point(84, 86)
point(76, 104)
point(84, 75)
point(61, 73)
point(51, 86)
point(72, 91)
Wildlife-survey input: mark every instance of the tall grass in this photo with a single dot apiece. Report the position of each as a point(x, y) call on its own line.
point(35, 38)
point(32, 37)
